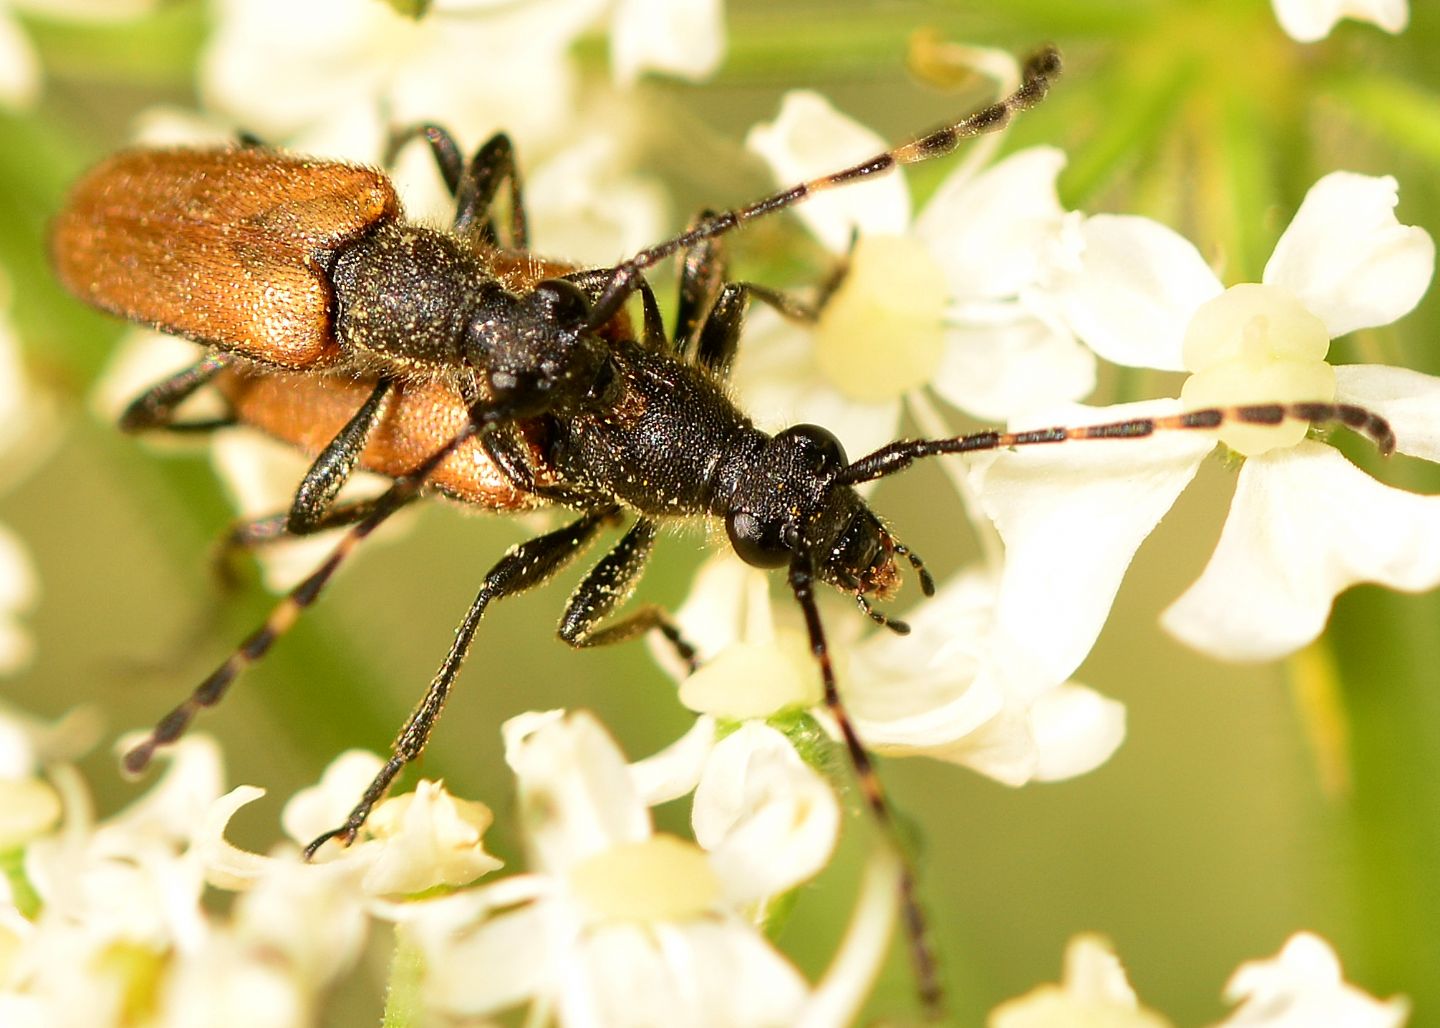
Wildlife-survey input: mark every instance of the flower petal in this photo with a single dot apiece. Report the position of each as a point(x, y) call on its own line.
point(1128, 288)
point(699, 973)
point(1348, 259)
point(768, 820)
point(684, 38)
point(1305, 525)
point(1076, 730)
point(1409, 400)
point(1302, 987)
point(675, 771)
point(575, 787)
point(810, 138)
point(1002, 361)
point(987, 231)
point(1072, 517)
point(1310, 20)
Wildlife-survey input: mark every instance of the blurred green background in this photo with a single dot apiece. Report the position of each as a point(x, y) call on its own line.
point(1207, 840)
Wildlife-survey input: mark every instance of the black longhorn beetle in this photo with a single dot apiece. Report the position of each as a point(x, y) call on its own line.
point(542, 372)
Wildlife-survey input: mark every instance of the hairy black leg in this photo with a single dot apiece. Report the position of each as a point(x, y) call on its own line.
point(523, 567)
point(900, 455)
point(802, 584)
point(285, 613)
point(492, 166)
point(442, 146)
point(508, 450)
point(607, 586)
point(332, 468)
point(156, 406)
point(256, 533)
point(475, 186)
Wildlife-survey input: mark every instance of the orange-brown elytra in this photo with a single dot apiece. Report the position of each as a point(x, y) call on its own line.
point(456, 362)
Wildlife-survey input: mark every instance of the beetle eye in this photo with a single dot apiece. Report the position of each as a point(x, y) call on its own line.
point(562, 301)
point(758, 543)
point(817, 447)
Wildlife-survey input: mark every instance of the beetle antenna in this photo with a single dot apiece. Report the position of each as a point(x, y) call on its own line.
point(802, 584)
point(1035, 81)
point(900, 455)
point(288, 610)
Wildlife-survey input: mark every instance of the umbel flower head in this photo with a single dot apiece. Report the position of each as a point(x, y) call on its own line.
point(1305, 522)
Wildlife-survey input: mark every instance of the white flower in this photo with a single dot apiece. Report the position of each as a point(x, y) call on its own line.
point(1311, 20)
point(963, 686)
point(1302, 988)
point(340, 73)
point(943, 301)
point(1093, 992)
point(1304, 524)
point(411, 843)
point(620, 925)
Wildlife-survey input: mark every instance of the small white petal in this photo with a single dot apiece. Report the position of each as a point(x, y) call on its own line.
point(312, 915)
point(430, 838)
point(226, 865)
point(321, 807)
point(987, 231)
point(1130, 290)
point(1076, 730)
point(514, 949)
point(1409, 400)
point(1094, 992)
point(685, 38)
point(1305, 524)
point(193, 779)
point(575, 788)
point(1002, 362)
point(769, 821)
point(1072, 517)
point(699, 973)
point(810, 138)
point(1348, 259)
point(1310, 20)
point(1302, 988)
point(675, 770)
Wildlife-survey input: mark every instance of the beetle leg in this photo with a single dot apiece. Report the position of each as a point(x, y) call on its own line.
point(156, 407)
point(523, 567)
point(332, 468)
point(256, 533)
point(492, 165)
point(607, 586)
point(442, 146)
point(802, 584)
point(710, 311)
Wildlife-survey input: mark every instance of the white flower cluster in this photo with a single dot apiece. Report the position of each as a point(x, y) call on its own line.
point(993, 299)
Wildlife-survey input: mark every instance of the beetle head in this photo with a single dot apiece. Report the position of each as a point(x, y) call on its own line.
point(790, 506)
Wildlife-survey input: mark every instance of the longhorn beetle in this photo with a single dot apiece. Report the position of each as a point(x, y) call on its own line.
point(453, 363)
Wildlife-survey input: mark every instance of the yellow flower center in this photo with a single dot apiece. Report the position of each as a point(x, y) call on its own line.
point(1256, 344)
point(663, 878)
point(882, 333)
